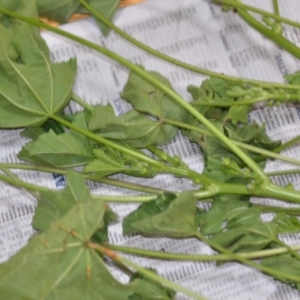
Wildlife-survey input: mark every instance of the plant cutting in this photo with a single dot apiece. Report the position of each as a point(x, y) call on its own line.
point(100, 144)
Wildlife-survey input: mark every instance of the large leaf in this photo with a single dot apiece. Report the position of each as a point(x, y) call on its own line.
point(106, 7)
point(59, 264)
point(31, 86)
point(164, 216)
point(58, 10)
point(136, 129)
point(64, 150)
point(24, 7)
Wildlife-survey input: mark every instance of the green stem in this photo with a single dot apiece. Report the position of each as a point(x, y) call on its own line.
point(264, 13)
point(164, 156)
point(239, 258)
point(137, 154)
point(250, 148)
point(168, 91)
point(198, 257)
point(287, 144)
point(175, 61)
point(124, 199)
point(150, 275)
point(12, 175)
point(109, 181)
point(22, 184)
point(269, 97)
point(275, 209)
point(284, 172)
point(82, 103)
point(270, 34)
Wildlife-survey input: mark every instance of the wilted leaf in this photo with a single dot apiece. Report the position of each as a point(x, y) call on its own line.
point(148, 99)
point(134, 128)
point(147, 290)
point(164, 216)
point(286, 224)
point(286, 264)
point(63, 150)
point(108, 162)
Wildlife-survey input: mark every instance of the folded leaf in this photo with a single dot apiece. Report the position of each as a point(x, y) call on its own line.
point(108, 162)
point(134, 128)
point(148, 99)
point(64, 150)
point(164, 216)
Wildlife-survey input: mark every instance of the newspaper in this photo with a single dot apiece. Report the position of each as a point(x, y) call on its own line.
point(197, 32)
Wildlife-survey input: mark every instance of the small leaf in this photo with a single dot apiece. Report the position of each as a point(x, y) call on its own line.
point(54, 204)
point(134, 128)
point(286, 224)
point(163, 216)
point(147, 290)
point(148, 99)
point(64, 150)
point(238, 114)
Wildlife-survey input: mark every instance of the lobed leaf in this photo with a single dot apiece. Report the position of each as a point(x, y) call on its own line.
point(62, 258)
point(31, 86)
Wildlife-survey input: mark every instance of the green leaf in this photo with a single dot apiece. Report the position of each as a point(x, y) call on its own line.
point(58, 10)
point(23, 7)
point(31, 86)
point(107, 8)
point(148, 99)
point(246, 239)
point(134, 128)
point(220, 212)
point(53, 204)
point(286, 224)
point(108, 162)
point(64, 150)
point(147, 290)
point(238, 114)
point(59, 264)
point(164, 216)
point(286, 264)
